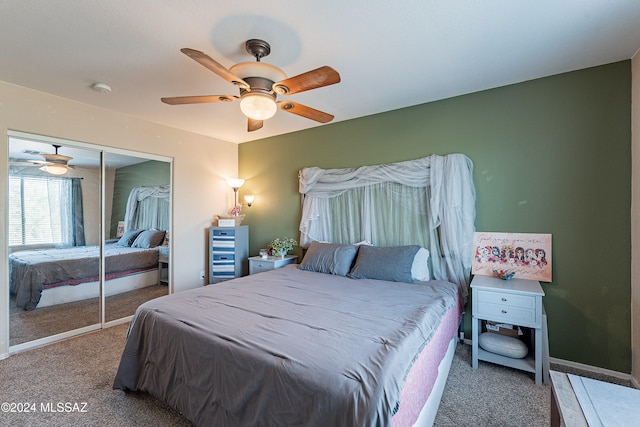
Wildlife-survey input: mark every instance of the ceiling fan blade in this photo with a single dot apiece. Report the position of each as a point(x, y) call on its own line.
point(177, 100)
point(214, 66)
point(254, 124)
point(323, 76)
point(21, 163)
point(304, 111)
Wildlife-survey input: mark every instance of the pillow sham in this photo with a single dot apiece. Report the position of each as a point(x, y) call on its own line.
point(128, 238)
point(392, 263)
point(420, 266)
point(148, 239)
point(329, 258)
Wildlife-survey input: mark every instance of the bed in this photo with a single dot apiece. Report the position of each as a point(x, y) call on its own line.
point(42, 277)
point(338, 340)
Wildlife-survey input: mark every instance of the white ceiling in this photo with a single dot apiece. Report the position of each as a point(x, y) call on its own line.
point(390, 54)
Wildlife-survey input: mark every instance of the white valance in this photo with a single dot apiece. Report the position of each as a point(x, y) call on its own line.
point(448, 181)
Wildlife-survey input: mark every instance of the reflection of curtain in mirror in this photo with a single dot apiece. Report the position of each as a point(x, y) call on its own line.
point(148, 207)
point(66, 211)
point(77, 213)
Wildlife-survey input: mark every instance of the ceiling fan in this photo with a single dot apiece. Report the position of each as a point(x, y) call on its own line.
point(260, 84)
point(55, 164)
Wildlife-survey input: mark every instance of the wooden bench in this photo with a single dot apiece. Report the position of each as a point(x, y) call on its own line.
point(606, 401)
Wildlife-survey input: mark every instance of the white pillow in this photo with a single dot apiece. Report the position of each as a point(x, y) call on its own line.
point(420, 266)
point(502, 344)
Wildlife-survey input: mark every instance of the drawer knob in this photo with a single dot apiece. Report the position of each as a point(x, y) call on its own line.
point(504, 311)
point(504, 299)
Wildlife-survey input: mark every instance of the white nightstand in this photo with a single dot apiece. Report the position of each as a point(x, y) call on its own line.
point(258, 264)
point(163, 269)
point(516, 302)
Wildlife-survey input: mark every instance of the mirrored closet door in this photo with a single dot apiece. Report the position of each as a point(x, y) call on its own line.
point(88, 229)
point(137, 216)
point(54, 237)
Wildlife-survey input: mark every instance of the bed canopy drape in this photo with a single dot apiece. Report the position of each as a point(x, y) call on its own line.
point(148, 207)
point(438, 189)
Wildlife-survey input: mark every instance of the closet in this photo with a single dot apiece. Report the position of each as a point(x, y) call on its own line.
point(70, 270)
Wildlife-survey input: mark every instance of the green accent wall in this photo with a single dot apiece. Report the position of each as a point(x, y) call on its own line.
point(146, 174)
point(551, 155)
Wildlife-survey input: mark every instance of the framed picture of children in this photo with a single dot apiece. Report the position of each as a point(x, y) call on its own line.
point(528, 255)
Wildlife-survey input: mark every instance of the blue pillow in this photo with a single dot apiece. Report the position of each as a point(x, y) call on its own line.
point(329, 258)
point(392, 264)
point(148, 239)
point(128, 238)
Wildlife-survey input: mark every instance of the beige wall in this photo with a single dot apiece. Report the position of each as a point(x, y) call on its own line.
point(635, 217)
point(200, 167)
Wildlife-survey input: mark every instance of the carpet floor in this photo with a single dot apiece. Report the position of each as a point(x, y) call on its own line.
point(70, 384)
point(46, 321)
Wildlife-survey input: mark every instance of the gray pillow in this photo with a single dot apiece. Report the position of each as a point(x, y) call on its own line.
point(148, 239)
point(128, 238)
point(329, 258)
point(392, 264)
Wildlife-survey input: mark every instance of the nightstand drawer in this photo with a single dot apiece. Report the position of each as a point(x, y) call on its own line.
point(506, 314)
point(259, 267)
point(258, 264)
point(507, 299)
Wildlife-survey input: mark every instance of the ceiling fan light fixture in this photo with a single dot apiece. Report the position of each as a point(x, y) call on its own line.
point(260, 84)
point(54, 169)
point(258, 106)
point(101, 87)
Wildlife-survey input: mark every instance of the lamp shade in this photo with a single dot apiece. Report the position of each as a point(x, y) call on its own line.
point(54, 169)
point(235, 183)
point(258, 106)
point(249, 198)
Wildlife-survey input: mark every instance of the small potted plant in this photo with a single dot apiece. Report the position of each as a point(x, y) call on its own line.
point(280, 246)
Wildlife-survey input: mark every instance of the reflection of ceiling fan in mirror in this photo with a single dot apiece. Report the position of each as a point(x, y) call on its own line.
point(259, 85)
point(55, 164)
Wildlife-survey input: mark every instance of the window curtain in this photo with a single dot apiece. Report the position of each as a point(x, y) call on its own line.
point(428, 201)
point(66, 211)
point(77, 210)
point(148, 207)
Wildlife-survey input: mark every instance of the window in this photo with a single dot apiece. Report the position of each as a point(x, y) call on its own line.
point(39, 210)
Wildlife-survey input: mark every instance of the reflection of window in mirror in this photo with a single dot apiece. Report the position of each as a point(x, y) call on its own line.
point(53, 213)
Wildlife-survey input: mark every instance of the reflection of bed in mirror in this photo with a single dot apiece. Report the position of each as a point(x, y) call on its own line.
point(44, 277)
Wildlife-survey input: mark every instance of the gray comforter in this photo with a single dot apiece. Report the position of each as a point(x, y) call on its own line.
point(32, 271)
point(284, 347)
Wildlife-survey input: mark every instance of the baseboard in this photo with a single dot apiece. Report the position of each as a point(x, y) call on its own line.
point(586, 368)
point(592, 369)
point(4, 356)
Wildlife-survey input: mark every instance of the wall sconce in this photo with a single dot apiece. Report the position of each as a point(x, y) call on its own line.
point(235, 183)
point(249, 198)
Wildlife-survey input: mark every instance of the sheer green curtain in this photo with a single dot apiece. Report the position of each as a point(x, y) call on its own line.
point(428, 202)
point(385, 214)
